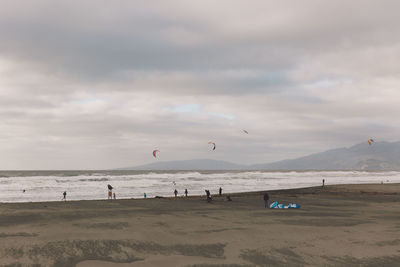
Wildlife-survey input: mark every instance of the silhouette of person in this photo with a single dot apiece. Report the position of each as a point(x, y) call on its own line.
point(266, 198)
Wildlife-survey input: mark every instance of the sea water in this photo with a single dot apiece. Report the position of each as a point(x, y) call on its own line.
point(80, 185)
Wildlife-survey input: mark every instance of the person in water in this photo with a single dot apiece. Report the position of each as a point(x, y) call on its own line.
point(65, 196)
point(144, 195)
point(266, 198)
point(186, 192)
point(176, 193)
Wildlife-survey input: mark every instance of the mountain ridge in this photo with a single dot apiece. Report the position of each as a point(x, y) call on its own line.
point(379, 156)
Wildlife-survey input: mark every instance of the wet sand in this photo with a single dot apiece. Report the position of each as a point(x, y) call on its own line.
point(345, 225)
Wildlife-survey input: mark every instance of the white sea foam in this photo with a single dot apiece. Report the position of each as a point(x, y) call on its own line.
point(42, 186)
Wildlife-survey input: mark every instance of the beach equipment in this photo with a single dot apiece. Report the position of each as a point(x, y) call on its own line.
point(274, 205)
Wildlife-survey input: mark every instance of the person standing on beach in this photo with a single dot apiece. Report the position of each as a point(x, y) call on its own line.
point(220, 191)
point(115, 196)
point(65, 196)
point(186, 192)
point(176, 193)
point(208, 195)
point(266, 198)
point(110, 188)
point(323, 182)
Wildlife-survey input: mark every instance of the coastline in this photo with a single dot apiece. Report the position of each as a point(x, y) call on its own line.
point(345, 225)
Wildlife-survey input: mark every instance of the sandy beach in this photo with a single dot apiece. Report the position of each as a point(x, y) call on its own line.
point(344, 225)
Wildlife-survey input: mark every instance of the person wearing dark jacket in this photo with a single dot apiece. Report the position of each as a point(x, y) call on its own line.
point(266, 198)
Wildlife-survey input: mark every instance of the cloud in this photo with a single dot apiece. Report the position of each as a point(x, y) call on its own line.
point(100, 84)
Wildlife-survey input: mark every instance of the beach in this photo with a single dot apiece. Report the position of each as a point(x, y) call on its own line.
point(338, 225)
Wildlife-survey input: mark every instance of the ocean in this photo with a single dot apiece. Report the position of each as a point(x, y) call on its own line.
point(85, 185)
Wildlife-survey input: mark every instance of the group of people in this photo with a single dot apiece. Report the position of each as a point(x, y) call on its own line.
point(208, 194)
point(111, 195)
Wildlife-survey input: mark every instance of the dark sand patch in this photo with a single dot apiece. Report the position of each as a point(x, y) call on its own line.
point(20, 234)
point(387, 261)
point(395, 242)
point(25, 218)
point(220, 230)
point(324, 222)
point(69, 253)
point(110, 225)
point(276, 257)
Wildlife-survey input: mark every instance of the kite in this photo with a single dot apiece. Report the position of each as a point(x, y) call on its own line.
point(213, 144)
point(370, 141)
point(246, 132)
point(155, 153)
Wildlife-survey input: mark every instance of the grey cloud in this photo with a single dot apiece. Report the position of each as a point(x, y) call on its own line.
point(99, 84)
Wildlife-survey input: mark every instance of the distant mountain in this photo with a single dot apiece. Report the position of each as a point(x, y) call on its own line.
point(183, 165)
point(378, 156)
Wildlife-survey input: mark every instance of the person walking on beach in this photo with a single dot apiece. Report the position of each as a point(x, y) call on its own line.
point(220, 191)
point(186, 192)
point(176, 193)
point(208, 195)
point(65, 196)
point(266, 198)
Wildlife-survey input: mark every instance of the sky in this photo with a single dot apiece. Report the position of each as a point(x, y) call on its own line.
point(101, 84)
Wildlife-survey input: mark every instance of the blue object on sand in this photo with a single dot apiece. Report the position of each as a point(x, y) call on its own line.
point(293, 206)
point(274, 205)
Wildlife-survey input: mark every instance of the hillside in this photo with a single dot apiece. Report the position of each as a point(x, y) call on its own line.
point(378, 156)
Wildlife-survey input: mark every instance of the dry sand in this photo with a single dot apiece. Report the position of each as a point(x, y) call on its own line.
point(346, 225)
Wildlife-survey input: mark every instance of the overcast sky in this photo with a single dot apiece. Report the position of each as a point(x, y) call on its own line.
point(100, 84)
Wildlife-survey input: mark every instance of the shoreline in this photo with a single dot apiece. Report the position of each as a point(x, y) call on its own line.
point(338, 225)
point(245, 193)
